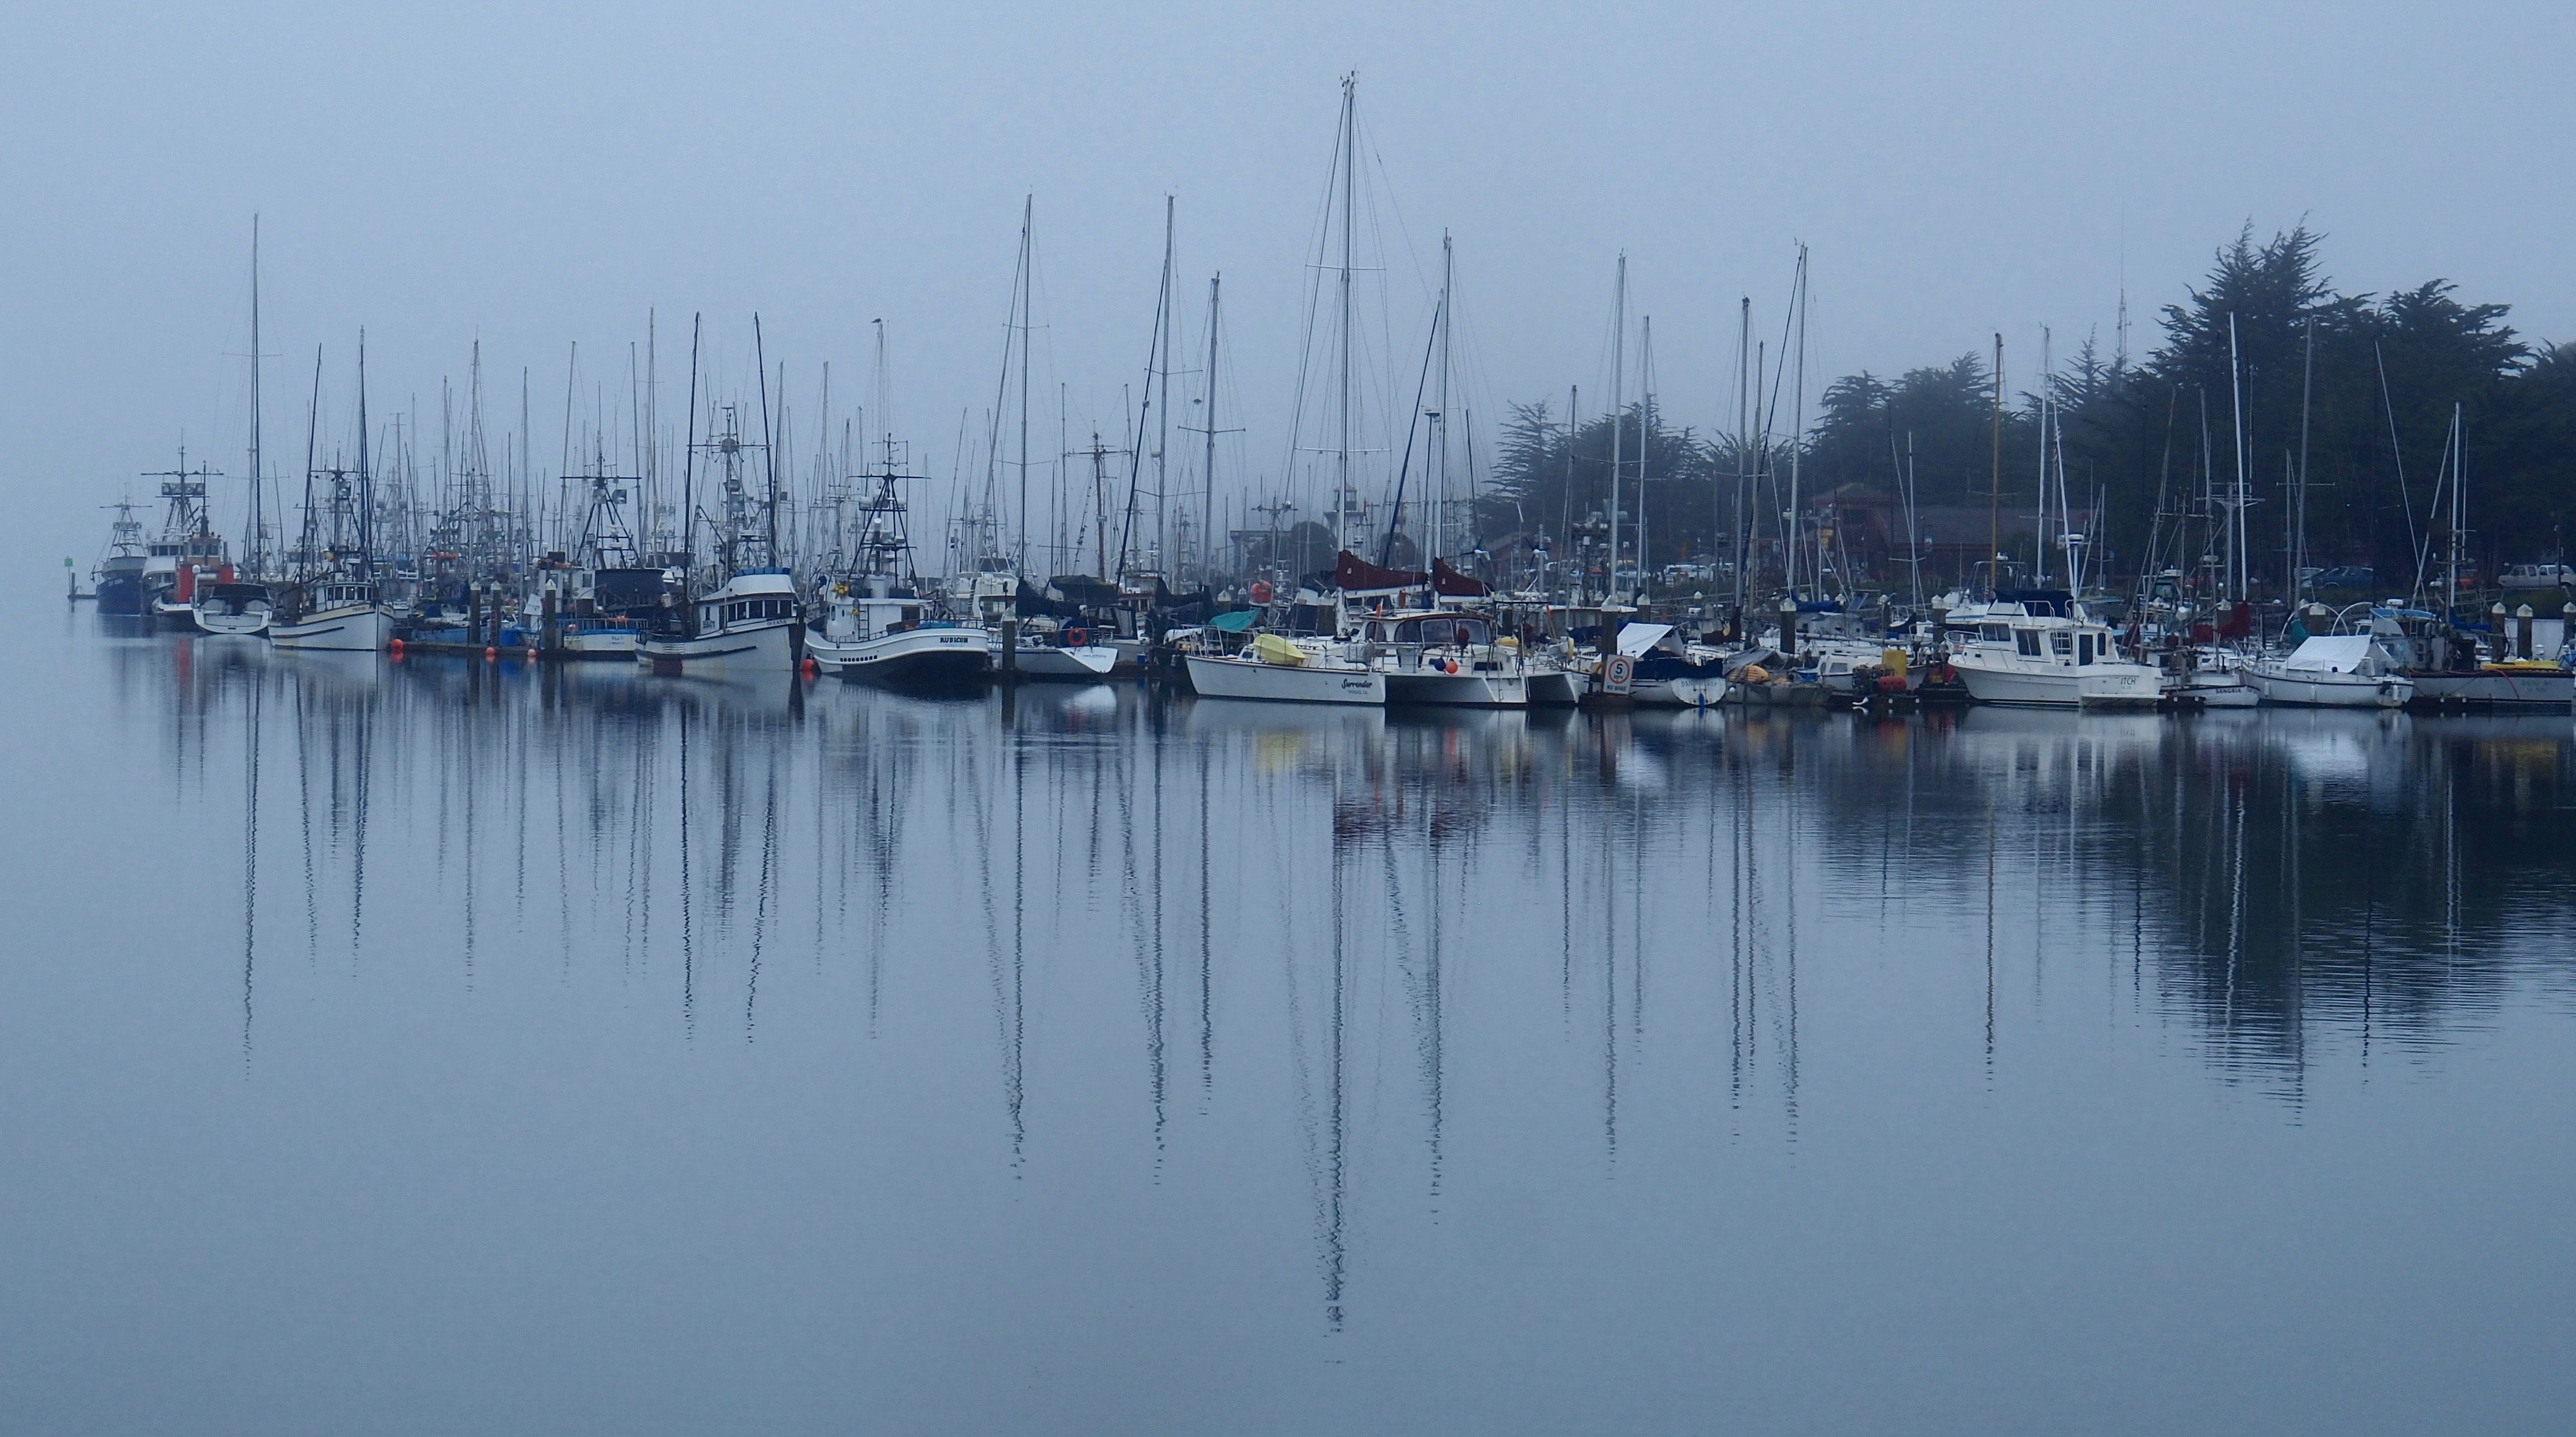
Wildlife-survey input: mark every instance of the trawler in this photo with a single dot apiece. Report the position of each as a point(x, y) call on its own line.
point(743, 615)
point(878, 626)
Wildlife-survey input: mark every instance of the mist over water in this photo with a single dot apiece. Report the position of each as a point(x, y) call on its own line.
point(441, 1046)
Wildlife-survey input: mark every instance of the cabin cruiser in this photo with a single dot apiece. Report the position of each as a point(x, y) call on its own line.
point(751, 623)
point(2332, 671)
point(1446, 658)
point(2043, 659)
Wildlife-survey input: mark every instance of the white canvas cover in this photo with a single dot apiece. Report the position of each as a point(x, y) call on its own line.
point(1636, 639)
point(2333, 653)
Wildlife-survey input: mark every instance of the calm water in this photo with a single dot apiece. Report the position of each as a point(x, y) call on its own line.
point(442, 1048)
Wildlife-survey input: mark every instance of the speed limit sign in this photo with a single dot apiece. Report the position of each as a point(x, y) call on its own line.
point(1619, 674)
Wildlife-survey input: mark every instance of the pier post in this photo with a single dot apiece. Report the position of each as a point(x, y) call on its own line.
point(2502, 646)
point(474, 612)
point(2522, 632)
point(1011, 650)
point(553, 639)
point(1788, 626)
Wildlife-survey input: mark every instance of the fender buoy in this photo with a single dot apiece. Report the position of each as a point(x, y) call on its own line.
point(532, 656)
point(395, 648)
point(1261, 591)
point(811, 668)
point(490, 653)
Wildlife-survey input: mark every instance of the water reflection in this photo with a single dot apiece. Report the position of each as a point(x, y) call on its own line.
point(1374, 902)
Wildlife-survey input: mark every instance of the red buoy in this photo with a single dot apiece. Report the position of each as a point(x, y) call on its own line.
point(811, 668)
point(490, 653)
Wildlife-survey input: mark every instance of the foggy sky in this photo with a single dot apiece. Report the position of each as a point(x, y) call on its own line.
point(533, 178)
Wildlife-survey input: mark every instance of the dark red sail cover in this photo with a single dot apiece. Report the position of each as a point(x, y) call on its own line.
point(1355, 575)
point(1448, 583)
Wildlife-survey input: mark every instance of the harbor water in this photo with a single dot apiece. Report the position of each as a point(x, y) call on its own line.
point(449, 1046)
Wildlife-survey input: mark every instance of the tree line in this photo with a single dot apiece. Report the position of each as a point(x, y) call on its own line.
point(2348, 398)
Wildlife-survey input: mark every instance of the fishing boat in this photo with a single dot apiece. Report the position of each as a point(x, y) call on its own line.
point(750, 623)
point(225, 603)
point(878, 627)
point(742, 614)
point(330, 611)
point(117, 579)
point(2050, 661)
point(1285, 670)
point(2331, 671)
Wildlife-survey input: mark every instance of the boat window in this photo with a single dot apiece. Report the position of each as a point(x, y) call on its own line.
point(2028, 641)
point(2083, 648)
point(1994, 633)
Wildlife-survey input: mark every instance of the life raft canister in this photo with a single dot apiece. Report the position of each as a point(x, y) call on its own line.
point(1261, 591)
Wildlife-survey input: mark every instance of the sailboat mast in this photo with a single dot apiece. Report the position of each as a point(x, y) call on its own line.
point(1028, 217)
point(1995, 482)
point(1618, 394)
point(1440, 455)
point(1743, 444)
point(258, 554)
point(2237, 572)
point(1207, 466)
point(366, 480)
point(1342, 448)
point(1163, 400)
point(1798, 418)
point(689, 456)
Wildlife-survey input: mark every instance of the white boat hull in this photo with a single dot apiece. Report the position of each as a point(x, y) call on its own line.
point(249, 623)
point(1689, 693)
point(1551, 688)
point(762, 648)
point(2316, 689)
point(2102, 685)
point(1087, 664)
point(621, 642)
point(346, 630)
point(1218, 677)
point(2519, 689)
point(911, 657)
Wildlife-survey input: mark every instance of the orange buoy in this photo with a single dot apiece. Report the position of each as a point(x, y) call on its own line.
point(532, 656)
point(395, 648)
point(812, 668)
point(490, 653)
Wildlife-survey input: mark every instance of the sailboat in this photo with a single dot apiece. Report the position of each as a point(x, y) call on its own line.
point(240, 605)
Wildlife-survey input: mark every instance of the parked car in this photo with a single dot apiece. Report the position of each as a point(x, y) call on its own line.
point(2539, 576)
point(2348, 576)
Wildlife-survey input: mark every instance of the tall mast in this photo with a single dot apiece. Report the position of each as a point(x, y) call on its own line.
point(2307, 390)
point(366, 478)
point(1618, 416)
point(258, 555)
point(1164, 557)
point(1995, 483)
point(1645, 412)
point(1743, 445)
point(1798, 418)
point(2237, 571)
point(1440, 455)
point(689, 456)
point(768, 450)
point(1028, 217)
point(1342, 449)
point(1207, 467)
